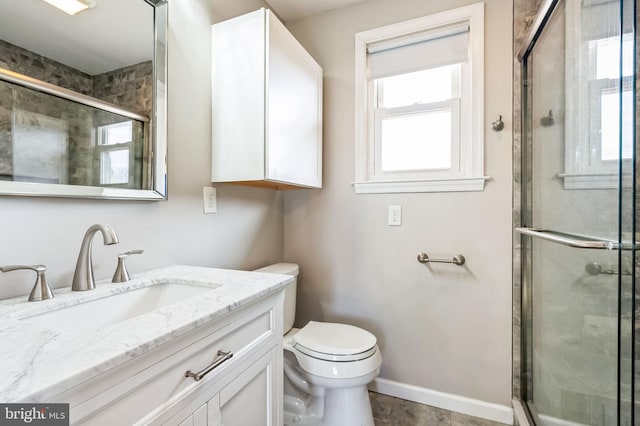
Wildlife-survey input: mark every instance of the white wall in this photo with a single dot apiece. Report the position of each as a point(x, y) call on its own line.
point(442, 327)
point(246, 232)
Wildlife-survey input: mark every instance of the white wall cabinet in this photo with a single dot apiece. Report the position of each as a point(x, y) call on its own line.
point(153, 389)
point(267, 105)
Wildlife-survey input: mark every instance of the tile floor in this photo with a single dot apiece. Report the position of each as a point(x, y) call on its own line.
point(390, 411)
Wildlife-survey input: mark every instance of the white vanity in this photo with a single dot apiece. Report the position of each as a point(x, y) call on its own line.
point(175, 346)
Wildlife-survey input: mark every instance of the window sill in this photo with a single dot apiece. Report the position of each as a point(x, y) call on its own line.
point(594, 180)
point(464, 184)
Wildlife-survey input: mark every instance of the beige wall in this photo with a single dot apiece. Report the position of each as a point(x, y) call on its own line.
point(246, 232)
point(441, 327)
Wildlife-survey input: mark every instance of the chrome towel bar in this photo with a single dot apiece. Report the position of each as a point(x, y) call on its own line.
point(458, 259)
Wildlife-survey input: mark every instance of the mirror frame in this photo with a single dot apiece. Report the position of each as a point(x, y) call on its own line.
point(158, 155)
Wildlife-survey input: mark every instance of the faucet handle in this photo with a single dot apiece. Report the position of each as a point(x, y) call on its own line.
point(122, 275)
point(41, 290)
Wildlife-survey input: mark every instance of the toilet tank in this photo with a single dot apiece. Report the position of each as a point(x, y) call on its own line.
point(289, 291)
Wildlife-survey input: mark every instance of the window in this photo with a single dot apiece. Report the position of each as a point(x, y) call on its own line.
point(114, 148)
point(419, 103)
point(417, 121)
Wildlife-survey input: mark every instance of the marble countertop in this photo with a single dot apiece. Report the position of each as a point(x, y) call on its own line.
point(38, 362)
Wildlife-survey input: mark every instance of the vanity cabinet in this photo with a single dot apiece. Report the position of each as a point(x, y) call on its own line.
point(244, 401)
point(154, 388)
point(267, 105)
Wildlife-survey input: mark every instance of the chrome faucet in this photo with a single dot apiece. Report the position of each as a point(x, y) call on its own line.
point(83, 276)
point(41, 290)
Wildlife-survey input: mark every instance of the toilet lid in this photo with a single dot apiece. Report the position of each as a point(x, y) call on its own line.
point(338, 341)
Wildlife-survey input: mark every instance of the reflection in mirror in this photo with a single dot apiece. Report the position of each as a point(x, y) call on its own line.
point(599, 104)
point(82, 107)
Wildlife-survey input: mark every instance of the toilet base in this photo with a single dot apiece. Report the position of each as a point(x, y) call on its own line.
point(349, 406)
point(339, 407)
point(298, 413)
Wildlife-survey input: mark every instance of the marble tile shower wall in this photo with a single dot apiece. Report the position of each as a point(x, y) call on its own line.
point(576, 343)
point(130, 88)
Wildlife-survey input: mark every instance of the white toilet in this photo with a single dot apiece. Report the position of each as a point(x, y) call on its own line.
point(327, 367)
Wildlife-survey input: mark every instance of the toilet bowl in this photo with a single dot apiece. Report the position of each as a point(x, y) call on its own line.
point(327, 367)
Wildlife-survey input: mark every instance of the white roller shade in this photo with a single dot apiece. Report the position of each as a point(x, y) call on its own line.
point(414, 52)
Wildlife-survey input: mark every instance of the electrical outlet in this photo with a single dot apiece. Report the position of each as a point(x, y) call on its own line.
point(395, 216)
point(210, 200)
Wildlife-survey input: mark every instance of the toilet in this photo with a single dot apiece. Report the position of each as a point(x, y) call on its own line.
point(327, 367)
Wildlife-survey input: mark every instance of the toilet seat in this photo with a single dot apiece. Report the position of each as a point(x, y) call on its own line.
point(334, 342)
point(334, 351)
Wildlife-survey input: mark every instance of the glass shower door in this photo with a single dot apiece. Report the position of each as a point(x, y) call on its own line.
point(578, 212)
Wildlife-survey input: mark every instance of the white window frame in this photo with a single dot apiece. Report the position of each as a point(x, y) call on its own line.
point(469, 176)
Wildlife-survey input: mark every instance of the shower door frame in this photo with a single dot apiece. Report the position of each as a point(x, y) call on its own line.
point(543, 16)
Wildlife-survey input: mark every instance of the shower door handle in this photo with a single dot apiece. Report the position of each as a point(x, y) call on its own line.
point(573, 240)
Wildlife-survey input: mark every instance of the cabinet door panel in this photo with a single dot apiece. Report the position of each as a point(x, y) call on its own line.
point(187, 422)
point(248, 399)
point(294, 137)
point(238, 96)
point(213, 411)
point(200, 416)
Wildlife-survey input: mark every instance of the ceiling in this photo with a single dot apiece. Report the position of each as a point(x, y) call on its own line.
point(292, 10)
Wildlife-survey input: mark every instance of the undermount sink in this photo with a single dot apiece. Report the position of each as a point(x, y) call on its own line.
point(111, 309)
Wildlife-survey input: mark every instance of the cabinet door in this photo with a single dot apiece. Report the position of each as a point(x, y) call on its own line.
point(238, 96)
point(294, 125)
point(198, 418)
point(252, 398)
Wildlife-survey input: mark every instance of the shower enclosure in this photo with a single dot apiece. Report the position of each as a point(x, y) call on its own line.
point(578, 230)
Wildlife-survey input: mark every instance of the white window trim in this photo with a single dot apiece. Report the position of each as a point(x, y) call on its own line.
point(472, 177)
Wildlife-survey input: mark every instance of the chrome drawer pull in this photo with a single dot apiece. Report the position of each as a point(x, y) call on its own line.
point(222, 357)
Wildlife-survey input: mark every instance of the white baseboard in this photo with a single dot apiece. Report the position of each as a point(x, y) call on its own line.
point(447, 401)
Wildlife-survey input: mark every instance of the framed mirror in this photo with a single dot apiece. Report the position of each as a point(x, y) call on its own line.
point(83, 109)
